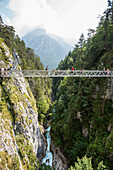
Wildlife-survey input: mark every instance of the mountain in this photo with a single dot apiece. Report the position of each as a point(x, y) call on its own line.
point(32, 35)
point(51, 49)
point(61, 42)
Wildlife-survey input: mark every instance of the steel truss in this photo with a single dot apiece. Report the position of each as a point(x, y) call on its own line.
point(57, 73)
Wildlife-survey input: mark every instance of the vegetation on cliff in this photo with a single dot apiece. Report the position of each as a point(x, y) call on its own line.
point(41, 87)
point(16, 146)
point(19, 130)
point(82, 122)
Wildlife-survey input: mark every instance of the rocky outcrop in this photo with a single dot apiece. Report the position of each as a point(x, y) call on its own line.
point(85, 132)
point(21, 141)
point(59, 160)
point(111, 89)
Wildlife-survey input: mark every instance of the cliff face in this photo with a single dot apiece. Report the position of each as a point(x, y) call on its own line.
point(59, 160)
point(21, 141)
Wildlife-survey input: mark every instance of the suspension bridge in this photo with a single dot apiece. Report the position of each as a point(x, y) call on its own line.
point(14, 72)
point(57, 73)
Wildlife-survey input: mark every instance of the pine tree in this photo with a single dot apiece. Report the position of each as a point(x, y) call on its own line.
point(1, 21)
point(109, 3)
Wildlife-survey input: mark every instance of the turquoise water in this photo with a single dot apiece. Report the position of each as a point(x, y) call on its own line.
point(48, 159)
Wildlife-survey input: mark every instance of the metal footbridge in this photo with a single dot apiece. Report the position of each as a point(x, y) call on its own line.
point(57, 73)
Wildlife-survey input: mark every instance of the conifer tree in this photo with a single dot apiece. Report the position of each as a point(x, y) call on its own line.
point(1, 21)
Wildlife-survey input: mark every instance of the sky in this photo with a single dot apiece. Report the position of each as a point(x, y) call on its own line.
point(65, 18)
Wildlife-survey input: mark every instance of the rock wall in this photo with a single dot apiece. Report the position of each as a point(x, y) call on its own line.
point(22, 144)
point(111, 89)
point(59, 160)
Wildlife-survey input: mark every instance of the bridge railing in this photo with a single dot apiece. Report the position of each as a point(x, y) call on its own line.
point(57, 73)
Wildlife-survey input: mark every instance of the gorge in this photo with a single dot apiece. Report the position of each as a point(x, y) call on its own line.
point(81, 111)
point(22, 143)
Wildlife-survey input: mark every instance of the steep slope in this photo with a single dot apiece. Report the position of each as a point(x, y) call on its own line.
point(41, 87)
point(33, 35)
point(83, 109)
point(21, 141)
point(51, 50)
point(63, 43)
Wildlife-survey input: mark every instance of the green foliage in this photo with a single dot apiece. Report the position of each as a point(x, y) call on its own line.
point(26, 153)
point(7, 33)
point(8, 161)
point(41, 87)
point(86, 164)
point(101, 166)
point(45, 167)
point(11, 94)
point(43, 107)
point(82, 110)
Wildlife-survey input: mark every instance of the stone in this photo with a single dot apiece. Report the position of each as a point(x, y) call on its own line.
point(59, 160)
point(85, 132)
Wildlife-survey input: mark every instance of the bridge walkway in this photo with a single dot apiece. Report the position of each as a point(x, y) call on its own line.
point(57, 73)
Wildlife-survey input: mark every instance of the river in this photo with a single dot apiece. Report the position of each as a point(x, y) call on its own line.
point(48, 159)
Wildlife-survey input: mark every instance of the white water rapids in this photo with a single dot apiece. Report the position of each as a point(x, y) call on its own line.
point(48, 159)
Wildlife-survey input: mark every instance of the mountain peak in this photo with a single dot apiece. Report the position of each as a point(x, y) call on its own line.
point(50, 49)
point(37, 32)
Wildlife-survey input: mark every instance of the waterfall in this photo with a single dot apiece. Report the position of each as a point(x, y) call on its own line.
point(48, 159)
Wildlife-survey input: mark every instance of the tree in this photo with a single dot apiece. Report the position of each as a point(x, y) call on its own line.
point(1, 21)
point(101, 166)
point(83, 164)
point(81, 40)
point(109, 3)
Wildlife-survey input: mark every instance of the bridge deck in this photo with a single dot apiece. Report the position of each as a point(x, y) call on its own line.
point(57, 73)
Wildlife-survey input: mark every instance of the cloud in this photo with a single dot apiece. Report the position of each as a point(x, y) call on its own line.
point(31, 13)
point(67, 18)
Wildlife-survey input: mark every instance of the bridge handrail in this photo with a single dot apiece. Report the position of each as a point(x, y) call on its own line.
point(57, 73)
